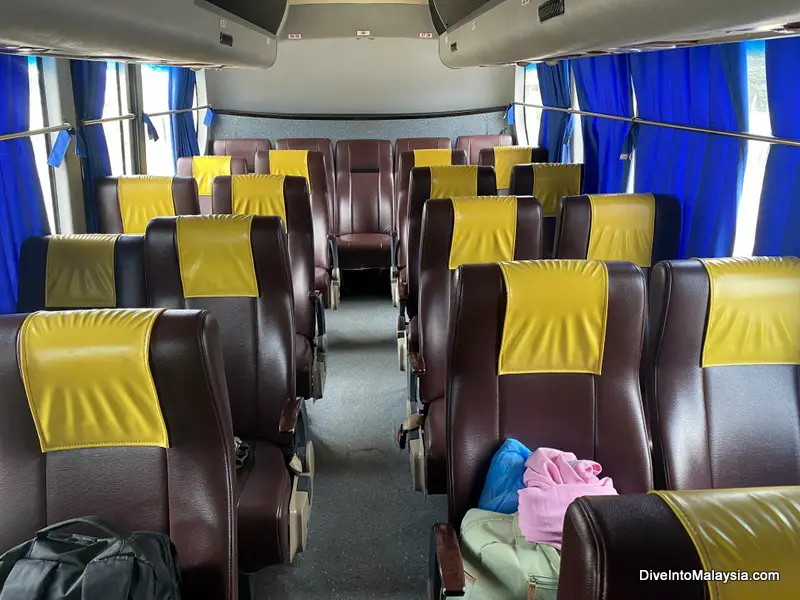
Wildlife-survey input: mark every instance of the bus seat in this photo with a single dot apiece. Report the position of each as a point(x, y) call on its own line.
point(126, 204)
point(722, 372)
point(82, 271)
point(505, 158)
point(640, 228)
point(409, 144)
point(473, 144)
point(204, 169)
point(177, 479)
point(286, 197)
point(454, 232)
point(549, 182)
point(407, 161)
point(365, 204)
point(237, 268)
point(245, 148)
point(311, 166)
point(325, 147)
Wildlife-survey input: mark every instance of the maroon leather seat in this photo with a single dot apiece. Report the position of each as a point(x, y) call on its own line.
point(237, 268)
point(205, 175)
point(325, 147)
point(410, 144)
point(473, 144)
point(504, 165)
point(141, 199)
point(365, 204)
point(245, 148)
point(184, 489)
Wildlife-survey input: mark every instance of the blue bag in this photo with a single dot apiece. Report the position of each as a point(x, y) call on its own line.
point(500, 492)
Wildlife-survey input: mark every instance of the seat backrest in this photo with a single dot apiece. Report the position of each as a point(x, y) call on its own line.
point(578, 391)
point(505, 158)
point(237, 268)
point(287, 198)
point(365, 187)
point(407, 161)
point(82, 271)
point(170, 469)
point(473, 144)
point(458, 231)
point(204, 169)
point(126, 204)
point(549, 182)
point(311, 166)
point(722, 372)
point(245, 148)
point(640, 228)
point(408, 144)
point(437, 182)
point(325, 147)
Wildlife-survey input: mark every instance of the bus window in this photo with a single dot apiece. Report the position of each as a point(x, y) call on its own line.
point(117, 132)
point(40, 143)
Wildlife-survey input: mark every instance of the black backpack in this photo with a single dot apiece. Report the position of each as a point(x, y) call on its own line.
point(66, 566)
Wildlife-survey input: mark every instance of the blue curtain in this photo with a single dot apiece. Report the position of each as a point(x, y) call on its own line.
point(702, 87)
point(778, 231)
point(603, 84)
point(89, 91)
point(555, 130)
point(181, 95)
point(22, 211)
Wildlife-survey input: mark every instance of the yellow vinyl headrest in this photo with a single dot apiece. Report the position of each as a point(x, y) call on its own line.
point(88, 381)
point(80, 271)
point(553, 181)
point(216, 256)
point(206, 169)
point(622, 228)
point(506, 158)
point(142, 198)
point(454, 181)
point(293, 163)
point(433, 158)
point(260, 195)
point(484, 230)
point(555, 321)
point(753, 313)
point(746, 530)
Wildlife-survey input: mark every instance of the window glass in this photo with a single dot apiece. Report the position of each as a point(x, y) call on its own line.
point(155, 93)
point(576, 143)
point(115, 105)
point(40, 142)
point(532, 95)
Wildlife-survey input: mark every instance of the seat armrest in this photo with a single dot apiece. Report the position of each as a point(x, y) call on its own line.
point(417, 363)
point(333, 248)
point(319, 312)
point(447, 565)
point(290, 414)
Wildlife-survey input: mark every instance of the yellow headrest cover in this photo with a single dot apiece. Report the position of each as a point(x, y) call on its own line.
point(260, 195)
point(88, 381)
point(433, 158)
point(80, 271)
point(506, 158)
point(742, 531)
point(216, 256)
point(556, 312)
point(553, 181)
point(454, 181)
point(290, 162)
point(484, 230)
point(754, 312)
point(206, 169)
point(143, 198)
point(622, 228)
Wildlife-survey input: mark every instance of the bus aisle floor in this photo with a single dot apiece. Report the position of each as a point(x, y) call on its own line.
point(369, 530)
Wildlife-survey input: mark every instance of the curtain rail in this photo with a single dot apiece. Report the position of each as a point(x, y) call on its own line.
point(636, 120)
point(178, 111)
point(128, 117)
point(32, 132)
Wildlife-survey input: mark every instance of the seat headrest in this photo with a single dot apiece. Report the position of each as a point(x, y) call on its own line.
point(80, 271)
point(555, 320)
point(290, 162)
point(88, 381)
point(484, 230)
point(260, 195)
point(622, 228)
point(433, 157)
point(142, 198)
point(506, 158)
point(206, 168)
point(753, 312)
point(454, 181)
point(215, 255)
point(553, 181)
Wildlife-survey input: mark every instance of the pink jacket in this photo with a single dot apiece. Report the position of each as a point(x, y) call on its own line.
point(553, 479)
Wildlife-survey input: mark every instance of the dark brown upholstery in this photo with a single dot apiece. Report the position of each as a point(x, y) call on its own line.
point(325, 147)
point(245, 148)
point(185, 491)
point(365, 206)
point(408, 144)
point(185, 169)
point(433, 317)
point(473, 144)
point(129, 279)
point(715, 427)
point(184, 197)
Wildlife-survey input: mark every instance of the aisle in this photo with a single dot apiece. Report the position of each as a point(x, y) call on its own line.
point(369, 531)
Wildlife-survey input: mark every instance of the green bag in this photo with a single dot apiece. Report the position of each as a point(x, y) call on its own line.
point(500, 564)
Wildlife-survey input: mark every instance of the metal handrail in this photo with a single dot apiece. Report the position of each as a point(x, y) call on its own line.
point(128, 117)
point(177, 111)
point(32, 132)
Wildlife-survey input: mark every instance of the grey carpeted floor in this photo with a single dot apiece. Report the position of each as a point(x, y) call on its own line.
point(369, 530)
